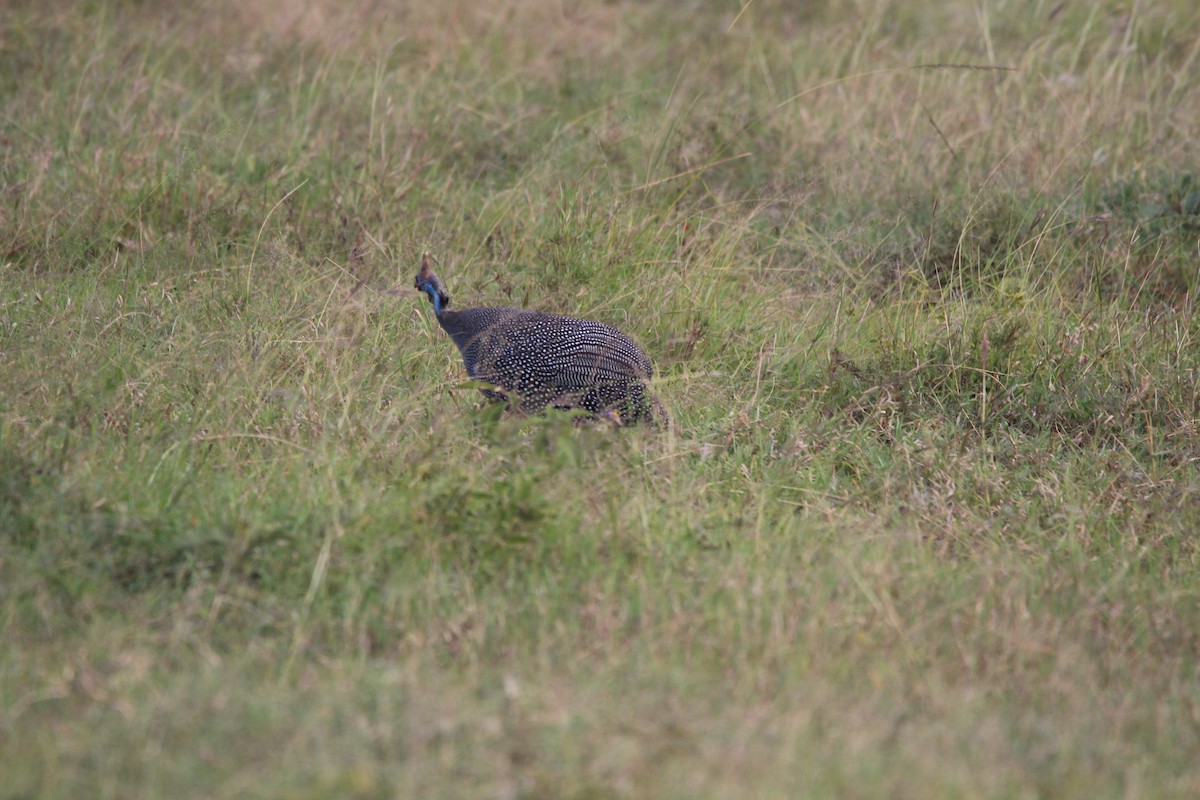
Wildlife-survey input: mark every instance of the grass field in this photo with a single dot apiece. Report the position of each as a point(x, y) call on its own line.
point(919, 280)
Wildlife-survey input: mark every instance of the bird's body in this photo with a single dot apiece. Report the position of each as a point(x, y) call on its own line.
point(536, 359)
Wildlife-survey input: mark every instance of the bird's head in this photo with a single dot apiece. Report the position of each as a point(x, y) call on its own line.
point(428, 282)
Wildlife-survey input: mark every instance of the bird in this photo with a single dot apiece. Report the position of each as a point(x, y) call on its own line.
point(533, 359)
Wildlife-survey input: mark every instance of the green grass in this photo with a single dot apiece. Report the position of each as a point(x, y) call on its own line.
point(919, 280)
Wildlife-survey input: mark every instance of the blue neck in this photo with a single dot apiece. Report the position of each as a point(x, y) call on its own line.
point(434, 298)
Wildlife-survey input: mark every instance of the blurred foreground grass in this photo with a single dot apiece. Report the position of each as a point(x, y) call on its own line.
point(925, 525)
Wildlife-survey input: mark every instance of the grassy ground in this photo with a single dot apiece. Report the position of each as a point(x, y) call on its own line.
point(919, 279)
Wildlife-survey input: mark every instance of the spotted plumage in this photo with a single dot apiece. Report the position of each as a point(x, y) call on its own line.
point(535, 359)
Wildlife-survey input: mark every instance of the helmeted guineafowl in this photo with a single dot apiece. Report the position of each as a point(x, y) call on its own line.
point(541, 359)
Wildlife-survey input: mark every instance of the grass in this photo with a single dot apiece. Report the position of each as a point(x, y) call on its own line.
point(919, 282)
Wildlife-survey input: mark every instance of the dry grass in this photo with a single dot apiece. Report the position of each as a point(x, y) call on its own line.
point(919, 283)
